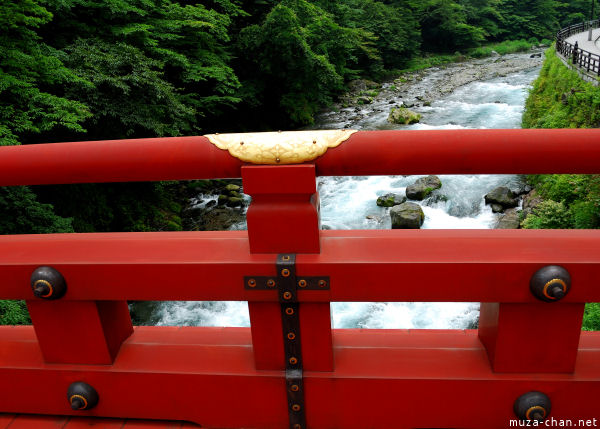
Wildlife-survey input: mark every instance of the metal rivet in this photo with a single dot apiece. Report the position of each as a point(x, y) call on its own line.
point(293, 360)
point(277, 160)
point(252, 283)
point(302, 283)
point(287, 295)
point(289, 311)
point(291, 336)
point(294, 388)
point(285, 272)
point(296, 407)
point(241, 143)
point(271, 283)
point(47, 283)
point(322, 283)
point(314, 142)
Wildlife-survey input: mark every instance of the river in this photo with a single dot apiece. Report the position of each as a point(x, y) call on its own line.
point(460, 96)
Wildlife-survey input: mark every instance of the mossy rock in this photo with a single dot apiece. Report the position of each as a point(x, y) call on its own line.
point(423, 187)
point(407, 216)
point(390, 200)
point(401, 115)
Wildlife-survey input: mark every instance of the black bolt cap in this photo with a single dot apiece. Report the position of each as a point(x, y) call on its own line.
point(550, 283)
point(533, 406)
point(82, 396)
point(48, 283)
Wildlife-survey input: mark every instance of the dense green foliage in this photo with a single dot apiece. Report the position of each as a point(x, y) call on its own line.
point(561, 99)
point(14, 313)
point(90, 69)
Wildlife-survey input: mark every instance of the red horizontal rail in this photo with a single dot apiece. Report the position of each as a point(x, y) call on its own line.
point(364, 153)
point(396, 265)
point(382, 379)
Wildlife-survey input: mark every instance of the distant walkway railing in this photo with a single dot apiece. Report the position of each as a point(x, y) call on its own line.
point(581, 58)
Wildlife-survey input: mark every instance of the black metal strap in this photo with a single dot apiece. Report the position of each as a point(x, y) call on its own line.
point(287, 285)
point(292, 346)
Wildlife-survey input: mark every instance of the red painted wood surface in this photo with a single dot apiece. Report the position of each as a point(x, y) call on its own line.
point(24, 421)
point(284, 218)
point(425, 265)
point(364, 153)
point(531, 338)
point(382, 379)
point(80, 331)
point(232, 377)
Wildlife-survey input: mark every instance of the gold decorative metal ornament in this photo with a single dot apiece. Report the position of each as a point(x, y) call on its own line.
point(289, 147)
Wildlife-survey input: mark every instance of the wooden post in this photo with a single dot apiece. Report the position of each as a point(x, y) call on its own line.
point(284, 218)
point(531, 338)
point(80, 332)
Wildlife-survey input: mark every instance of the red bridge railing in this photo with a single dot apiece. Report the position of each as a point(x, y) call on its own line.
point(260, 377)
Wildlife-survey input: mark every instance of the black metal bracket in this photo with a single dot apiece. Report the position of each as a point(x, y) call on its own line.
point(287, 285)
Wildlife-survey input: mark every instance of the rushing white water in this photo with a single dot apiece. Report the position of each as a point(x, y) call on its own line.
point(349, 203)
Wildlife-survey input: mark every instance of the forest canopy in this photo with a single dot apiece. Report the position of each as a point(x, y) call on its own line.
point(88, 69)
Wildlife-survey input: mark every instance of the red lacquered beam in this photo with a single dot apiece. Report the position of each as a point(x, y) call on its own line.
point(382, 379)
point(464, 152)
point(364, 153)
point(173, 158)
point(396, 265)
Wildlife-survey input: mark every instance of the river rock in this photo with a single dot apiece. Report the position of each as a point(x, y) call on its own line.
point(502, 196)
point(510, 220)
point(400, 115)
point(231, 187)
point(423, 187)
point(234, 201)
point(358, 85)
point(531, 201)
point(363, 99)
point(390, 200)
point(497, 208)
point(407, 216)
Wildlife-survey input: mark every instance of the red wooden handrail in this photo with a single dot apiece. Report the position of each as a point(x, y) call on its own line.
point(234, 377)
point(471, 265)
point(364, 153)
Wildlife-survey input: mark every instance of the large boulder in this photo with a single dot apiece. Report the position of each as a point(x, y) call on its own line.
point(390, 200)
point(423, 187)
point(400, 115)
point(502, 196)
point(407, 216)
point(510, 220)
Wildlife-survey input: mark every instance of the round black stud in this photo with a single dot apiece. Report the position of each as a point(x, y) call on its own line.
point(47, 283)
point(550, 283)
point(533, 406)
point(82, 396)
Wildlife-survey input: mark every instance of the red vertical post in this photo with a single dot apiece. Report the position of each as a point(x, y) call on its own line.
point(538, 337)
point(80, 332)
point(284, 218)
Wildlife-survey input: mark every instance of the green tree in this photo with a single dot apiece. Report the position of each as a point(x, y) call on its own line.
point(444, 27)
point(150, 67)
point(296, 59)
point(525, 19)
point(32, 78)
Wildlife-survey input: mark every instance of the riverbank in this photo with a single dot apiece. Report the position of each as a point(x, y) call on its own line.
point(369, 102)
point(561, 99)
